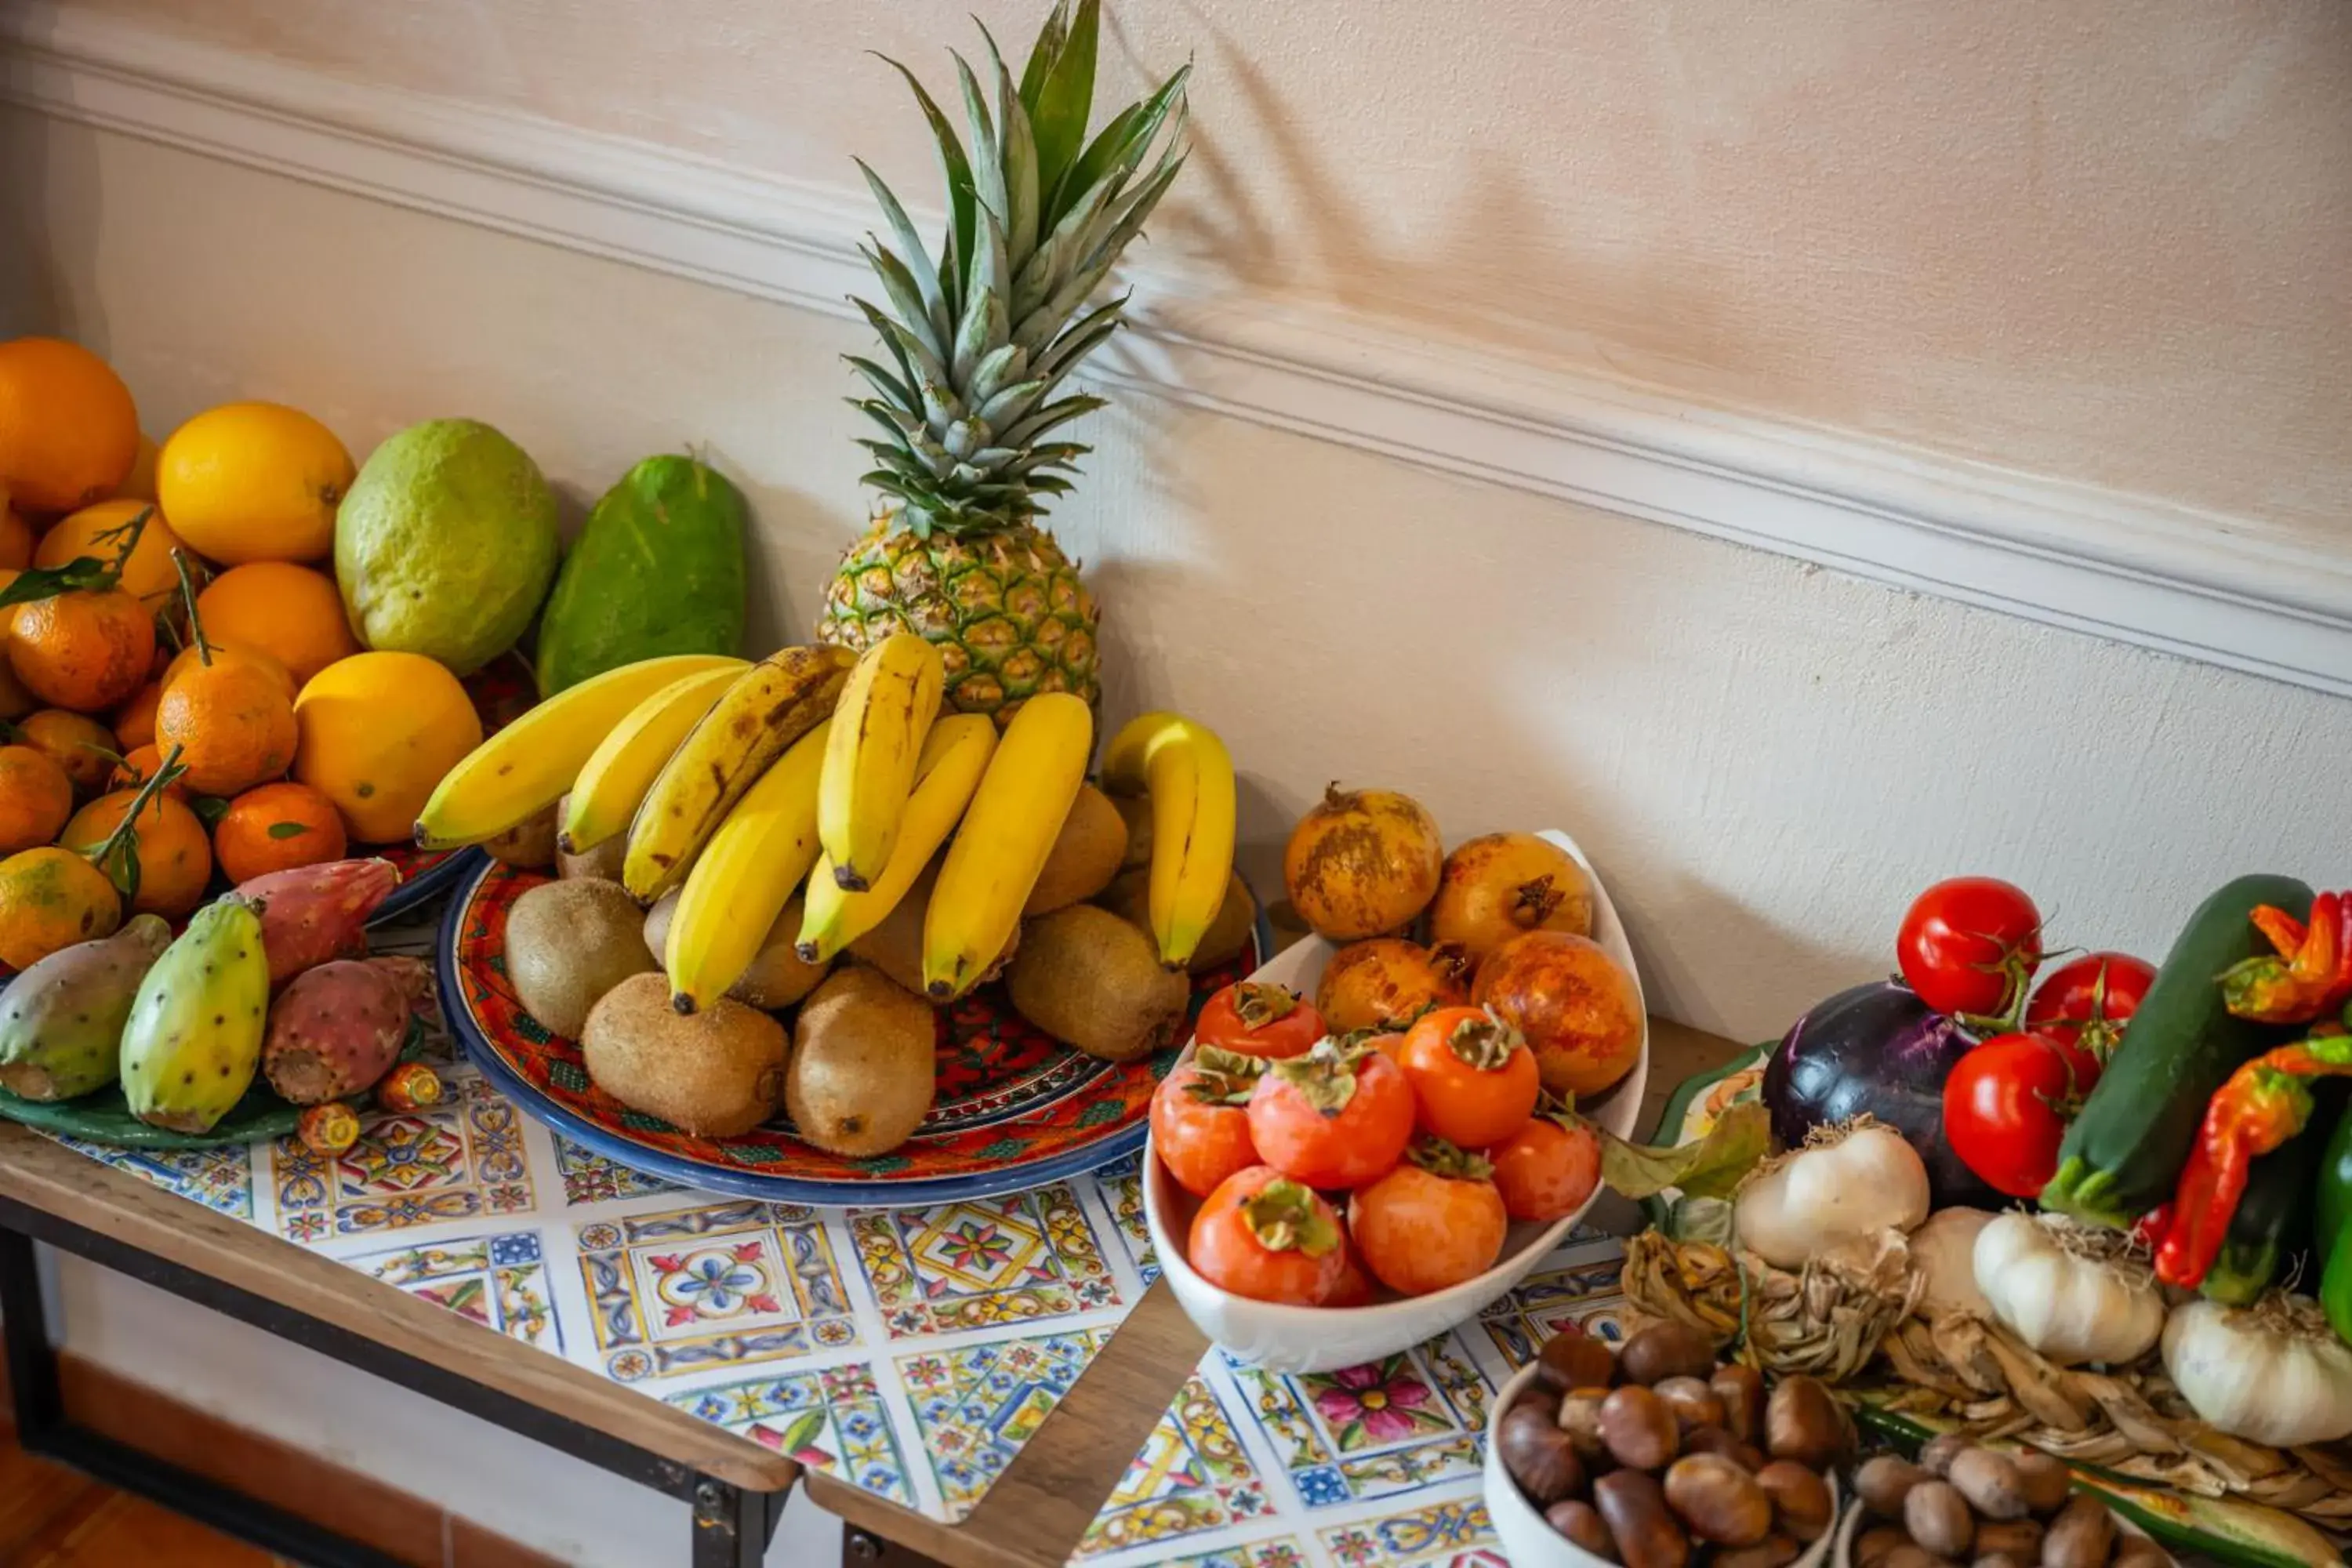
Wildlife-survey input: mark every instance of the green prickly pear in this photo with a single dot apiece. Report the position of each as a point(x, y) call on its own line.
point(61, 1020)
point(195, 1030)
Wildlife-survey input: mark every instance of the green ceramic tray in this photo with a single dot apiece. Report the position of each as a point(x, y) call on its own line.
point(104, 1116)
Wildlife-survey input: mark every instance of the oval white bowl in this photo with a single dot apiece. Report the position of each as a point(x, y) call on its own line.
point(1318, 1339)
point(1529, 1542)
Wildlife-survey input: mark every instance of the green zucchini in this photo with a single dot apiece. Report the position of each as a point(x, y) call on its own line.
point(2273, 1222)
point(2331, 1209)
point(2124, 1152)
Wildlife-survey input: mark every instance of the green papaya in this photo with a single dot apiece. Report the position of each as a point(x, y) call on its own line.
point(196, 1025)
point(61, 1020)
point(658, 570)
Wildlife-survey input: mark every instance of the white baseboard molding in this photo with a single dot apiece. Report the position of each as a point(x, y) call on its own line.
point(2227, 590)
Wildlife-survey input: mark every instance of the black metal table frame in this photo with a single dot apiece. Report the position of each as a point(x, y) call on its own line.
point(732, 1524)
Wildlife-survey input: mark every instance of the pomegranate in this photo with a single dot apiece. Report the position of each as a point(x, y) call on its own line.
point(1370, 983)
point(1578, 1011)
point(1502, 885)
point(1362, 863)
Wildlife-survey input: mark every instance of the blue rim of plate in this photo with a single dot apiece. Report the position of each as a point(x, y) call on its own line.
point(465, 866)
point(862, 1193)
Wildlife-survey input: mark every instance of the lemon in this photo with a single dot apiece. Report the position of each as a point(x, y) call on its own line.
point(253, 482)
point(376, 732)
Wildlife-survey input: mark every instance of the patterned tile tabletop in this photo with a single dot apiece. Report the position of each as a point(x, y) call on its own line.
point(912, 1350)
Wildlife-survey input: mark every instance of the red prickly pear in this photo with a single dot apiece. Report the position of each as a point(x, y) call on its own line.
point(312, 913)
point(328, 1129)
point(409, 1088)
point(336, 1029)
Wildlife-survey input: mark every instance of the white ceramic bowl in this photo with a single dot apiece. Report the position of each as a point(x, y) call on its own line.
point(1529, 1542)
point(1318, 1339)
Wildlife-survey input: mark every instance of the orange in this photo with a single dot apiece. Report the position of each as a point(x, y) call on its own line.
point(276, 827)
point(148, 573)
point(289, 611)
point(85, 650)
point(254, 481)
point(69, 433)
point(139, 483)
point(16, 540)
point(379, 731)
point(82, 746)
point(232, 723)
point(35, 798)
point(138, 765)
point(52, 899)
point(134, 722)
point(187, 659)
point(175, 860)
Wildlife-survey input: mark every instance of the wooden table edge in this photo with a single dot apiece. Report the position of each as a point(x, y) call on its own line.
point(45, 1176)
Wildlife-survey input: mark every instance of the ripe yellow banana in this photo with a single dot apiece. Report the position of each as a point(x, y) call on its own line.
point(1190, 777)
point(527, 766)
point(955, 753)
point(744, 876)
point(771, 705)
point(887, 709)
point(623, 767)
point(1015, 815)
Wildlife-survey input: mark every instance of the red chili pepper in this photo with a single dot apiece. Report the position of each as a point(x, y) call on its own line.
point(2308, 977)
point(2265, 1102)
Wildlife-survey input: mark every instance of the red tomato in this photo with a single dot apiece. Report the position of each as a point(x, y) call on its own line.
point(1418, 1230)
point(1969, 946)
point(1263, 1236)
point(1355, 1285)
point(2086, 1000)
point(2006, 1106)
point(1259, 1020)
point(1200, 1121)
point(1329, 1121)
point(1474, 1079)
point(1546, 1170)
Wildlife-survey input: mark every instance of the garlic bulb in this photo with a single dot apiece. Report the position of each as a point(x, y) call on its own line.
point(1840, 1192)
point(2274, 1374)
point(2060, 1298)
point(1945, 1251)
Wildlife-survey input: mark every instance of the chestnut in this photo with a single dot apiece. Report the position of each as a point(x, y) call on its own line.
point(1539, 1456)
point(1574, 1359)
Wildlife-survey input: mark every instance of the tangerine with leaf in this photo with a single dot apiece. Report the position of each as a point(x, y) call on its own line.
point(77, 742)
point(78, 640)
point(230, 719)
point(174, 859)
point(35, 798)
point(52, 897)
point(276, 829)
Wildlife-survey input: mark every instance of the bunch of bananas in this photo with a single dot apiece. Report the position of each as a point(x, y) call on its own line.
point(738, 783)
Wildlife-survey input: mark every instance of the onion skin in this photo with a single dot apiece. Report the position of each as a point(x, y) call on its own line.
point(1878, 1050)
point(1362, 863)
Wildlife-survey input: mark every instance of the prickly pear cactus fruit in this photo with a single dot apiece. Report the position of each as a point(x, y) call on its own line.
point(61, 1020)
point(195, 1036)
point(337, 1028)
point(310, 914)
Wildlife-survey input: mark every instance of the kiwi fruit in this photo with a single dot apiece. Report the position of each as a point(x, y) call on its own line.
point(567, 944)
point(1135, 810)
point(862, 1074)
point(776, 978)
point(601, 864)
point(1129, 898)
point(896, 946)
point(529, 844)
point(1085, 857)
point(1093, 981)
point(713, 1073)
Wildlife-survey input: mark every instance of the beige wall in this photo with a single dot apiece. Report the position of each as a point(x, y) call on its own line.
point(2110, 239)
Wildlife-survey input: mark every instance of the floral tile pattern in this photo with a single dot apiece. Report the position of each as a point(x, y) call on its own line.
point(688, 1290)
point(220, 1179)
point(460, 1160)
point(498, 1281)
point(1122, 1190)
point(1016, 1259)
point(976, 1406)
point(1583, 1292)
point(1387, 1426)
point(1451, 1534)
point(1192, 1476)
point(832, 1420)
point(590, 1178)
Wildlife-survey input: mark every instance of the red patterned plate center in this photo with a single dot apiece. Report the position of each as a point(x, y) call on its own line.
point(1008, 1097)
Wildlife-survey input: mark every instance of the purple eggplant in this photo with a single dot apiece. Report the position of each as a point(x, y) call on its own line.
point(1877, 1049)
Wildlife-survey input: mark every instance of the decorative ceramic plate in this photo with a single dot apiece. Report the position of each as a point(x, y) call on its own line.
point(104, 1116)
point(502, 691)
point(1015, 1108)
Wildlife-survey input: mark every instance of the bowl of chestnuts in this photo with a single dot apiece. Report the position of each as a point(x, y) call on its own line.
point(1963, 1502)
point(1653, 1454)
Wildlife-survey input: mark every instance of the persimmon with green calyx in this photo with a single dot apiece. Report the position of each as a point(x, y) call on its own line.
point(1475, 1082)
point(1432, 1223)
point(1332, 1118)
point(1199, 1119)
point(1549, 1168)
point(1263, 1236)
point(51, 898)
point(1258, 1019)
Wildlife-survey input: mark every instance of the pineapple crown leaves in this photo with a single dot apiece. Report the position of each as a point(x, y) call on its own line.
point(979, 338)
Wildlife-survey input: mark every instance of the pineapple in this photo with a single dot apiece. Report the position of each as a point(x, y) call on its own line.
point(976, 345)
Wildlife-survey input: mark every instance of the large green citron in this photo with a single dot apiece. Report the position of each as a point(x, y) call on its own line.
point(446, 544)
